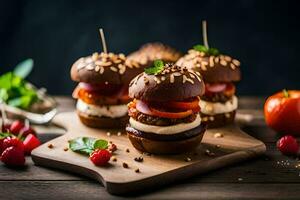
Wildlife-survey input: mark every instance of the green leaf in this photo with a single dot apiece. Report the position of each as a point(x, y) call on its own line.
point(21, 102)
point(5, 80)
point(210, 51)
point(24, 68)
point(100, 144)
point(213, 51)
point(158, 66)
point(5, 135)
point(86, 145)
point(200, 48)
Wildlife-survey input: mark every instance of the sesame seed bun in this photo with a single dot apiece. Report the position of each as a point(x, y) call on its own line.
point(165, 146)
point(173, 83)
point(102, 122)
point(101, 68)
point(221, 68)
point(149, 52)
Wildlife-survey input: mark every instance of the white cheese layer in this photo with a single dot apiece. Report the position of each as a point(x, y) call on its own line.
point(212, 108)
point(113, 111)
point(165, 130)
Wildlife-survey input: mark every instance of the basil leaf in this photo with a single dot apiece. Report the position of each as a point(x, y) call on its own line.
point(158, 66)
point(200, 48)
point(100, 144)
point(83, 145)
point(210, 51)
point(24, 68)
point(213, 51)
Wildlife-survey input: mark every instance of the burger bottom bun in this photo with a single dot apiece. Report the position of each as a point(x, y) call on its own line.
point(218, 120)
point(103, 122)
point(165, 147)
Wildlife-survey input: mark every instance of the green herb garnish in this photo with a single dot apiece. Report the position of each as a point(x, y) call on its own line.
point(86, 145)
point(210, 51)
point(14, 90)
point(157, 67)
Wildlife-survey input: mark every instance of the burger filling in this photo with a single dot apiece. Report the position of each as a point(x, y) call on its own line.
point(166, 117)
point(113, 111)
point(218, 98)
point(102, 100)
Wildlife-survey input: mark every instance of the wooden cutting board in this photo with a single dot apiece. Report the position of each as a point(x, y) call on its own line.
point(215, 152)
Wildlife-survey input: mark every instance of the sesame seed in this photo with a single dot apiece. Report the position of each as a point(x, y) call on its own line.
point(139, 159)
point(66, 149)
point(108, 134)
point(127, 150)
point(113, 69)
point(227, 115)
point(163, 78)
point(216, 59)
point(203, 67)
point(211, 118)
point(223, 62)
point(122, 56)
point(137, 170)
point(236, 62)
point(119, 133)
point(177, 74)
point(157, 80)
point(101, 70)
point(50, 146)
point(97, 68)
point(211, 61)
point(95, 56)
point(106, 64)
point(228, 58)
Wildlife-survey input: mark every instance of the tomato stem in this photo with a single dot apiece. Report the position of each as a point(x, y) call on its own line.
point(285, 93)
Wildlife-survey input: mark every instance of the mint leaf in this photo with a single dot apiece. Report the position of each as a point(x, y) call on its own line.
point(100, 144)
point(158, 66)
point(86, 145)
point(24, 68)
point(210, 51)
point(200, 48)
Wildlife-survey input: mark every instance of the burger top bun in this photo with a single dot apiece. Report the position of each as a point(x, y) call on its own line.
point(153, 51)
point(104, 68)
point(169, 83)
point(213, 68)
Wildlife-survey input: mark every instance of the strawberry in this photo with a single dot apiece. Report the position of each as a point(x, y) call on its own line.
point(16, 126)
point(1, 146)
point(30, 143)
point(13, 156)
point(288, 145)
point(12, 141)
point(100, 157)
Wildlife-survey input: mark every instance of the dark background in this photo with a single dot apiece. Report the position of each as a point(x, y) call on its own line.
point(263, 35)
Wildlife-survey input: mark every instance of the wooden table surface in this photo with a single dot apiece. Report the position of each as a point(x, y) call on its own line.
point(272, 176)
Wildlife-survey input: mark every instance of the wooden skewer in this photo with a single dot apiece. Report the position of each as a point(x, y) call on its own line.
point(204, 34)
point(103, 40)
point(3, 115)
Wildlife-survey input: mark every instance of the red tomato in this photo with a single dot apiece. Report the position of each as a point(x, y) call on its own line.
point(144, 108)
point(282, 112)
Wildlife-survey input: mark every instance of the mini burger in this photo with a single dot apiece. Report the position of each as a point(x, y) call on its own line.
point(102, 92)
point(150, 52)
point(219, 72)
point(164, 112)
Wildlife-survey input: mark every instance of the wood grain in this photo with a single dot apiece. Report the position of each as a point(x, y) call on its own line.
point(155, 170)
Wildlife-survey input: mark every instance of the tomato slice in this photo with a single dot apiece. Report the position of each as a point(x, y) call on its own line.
point(98, 99)
point(144, 108)
point(184, 105)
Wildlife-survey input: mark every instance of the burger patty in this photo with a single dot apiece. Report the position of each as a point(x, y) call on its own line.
point(159, 121)
point(216, 97)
